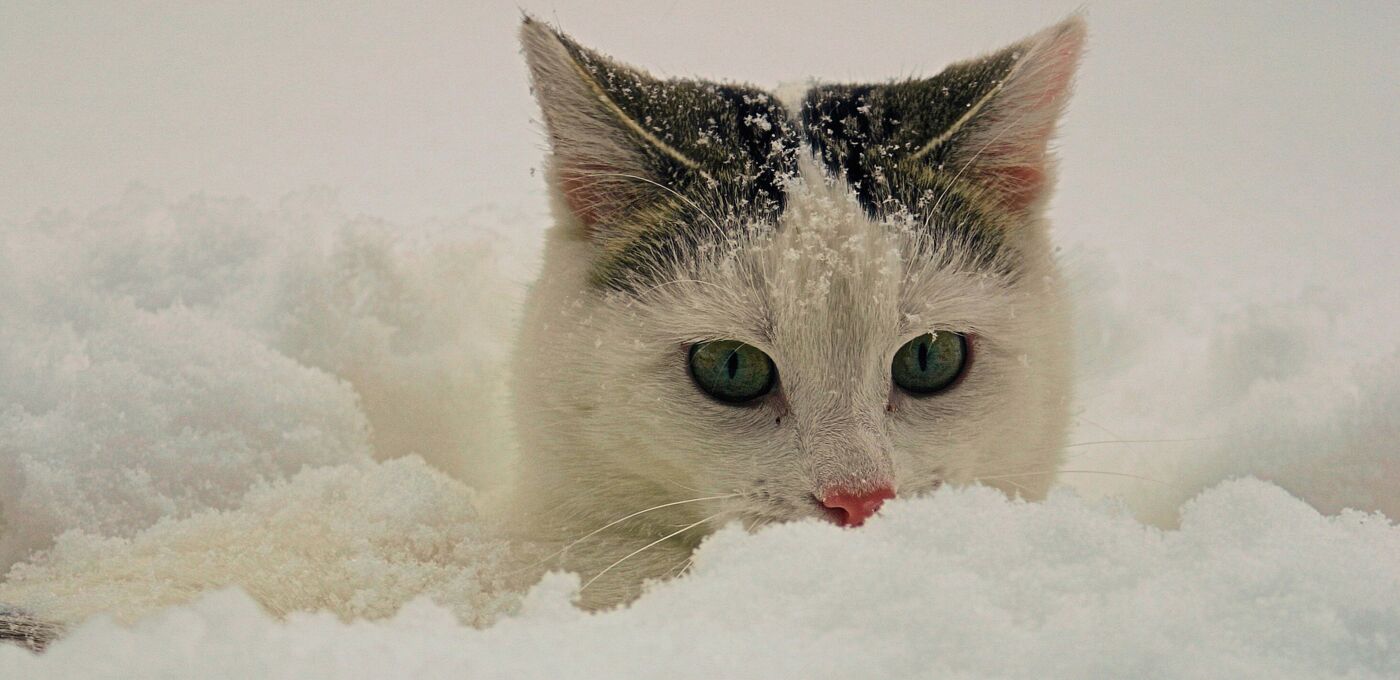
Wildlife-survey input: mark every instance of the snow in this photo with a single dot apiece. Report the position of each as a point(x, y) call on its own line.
point(1255, 584)
point(357, 540)
point(213, 344)
point(289, 396)
point(1193, 381)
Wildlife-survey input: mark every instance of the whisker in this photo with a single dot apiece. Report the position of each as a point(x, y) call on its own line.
point(646, 547)
point(1107, 431)
point(1139, 441)
point(675, 483)
point(659, 185)
point(1103, 442)
point(1134, 441)
point(620, 520)
point(1079, 472)
point(684, 566)
point(1024, 490)
point(995, 138)
point(678, 281)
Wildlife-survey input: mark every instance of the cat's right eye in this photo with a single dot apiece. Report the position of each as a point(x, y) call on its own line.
point(732, 371)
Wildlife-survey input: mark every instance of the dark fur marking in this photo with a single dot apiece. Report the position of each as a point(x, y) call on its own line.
point(771, 145)
point(743, 144)
point(839, 133)
point(869, 135)
point(25, 630)
point(866, 135)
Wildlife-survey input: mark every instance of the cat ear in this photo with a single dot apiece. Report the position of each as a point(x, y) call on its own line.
point(1010, 103)
point(980, 128)
point(605, 161)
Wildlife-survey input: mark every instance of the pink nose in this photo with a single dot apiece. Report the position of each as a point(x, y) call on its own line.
point(851, 509)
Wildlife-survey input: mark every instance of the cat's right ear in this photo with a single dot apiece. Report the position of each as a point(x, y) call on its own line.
point(605, 162)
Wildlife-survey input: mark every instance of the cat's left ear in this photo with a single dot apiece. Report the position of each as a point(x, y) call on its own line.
point(1002, 141)
point(980, 127)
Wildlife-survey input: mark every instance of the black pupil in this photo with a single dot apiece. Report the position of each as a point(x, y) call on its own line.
point(733, 364)
point(923, 357)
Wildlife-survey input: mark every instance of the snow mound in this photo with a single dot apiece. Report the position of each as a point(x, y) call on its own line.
point(154, 414)
point(359, 541)
point(1255, 584)
point(1187, 378)
point(157, 358)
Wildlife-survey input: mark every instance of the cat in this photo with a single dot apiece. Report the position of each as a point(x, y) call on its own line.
point(767, 306)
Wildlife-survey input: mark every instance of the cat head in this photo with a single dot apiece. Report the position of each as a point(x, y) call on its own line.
point(806, 301)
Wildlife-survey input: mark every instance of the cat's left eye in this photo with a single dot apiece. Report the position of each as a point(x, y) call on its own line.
point(929, 363)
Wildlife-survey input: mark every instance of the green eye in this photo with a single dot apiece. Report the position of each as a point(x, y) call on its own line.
point(731, 371)
point(929, 362)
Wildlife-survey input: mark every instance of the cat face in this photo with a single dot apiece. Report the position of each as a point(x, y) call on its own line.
point(798, 304)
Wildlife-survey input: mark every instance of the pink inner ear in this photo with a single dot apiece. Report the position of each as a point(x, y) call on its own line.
point(585, 195)
point(1018, 185)
point(578, 195)
point(1017, 166)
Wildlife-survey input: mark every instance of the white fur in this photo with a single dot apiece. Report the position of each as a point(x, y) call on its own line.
point(613, 423)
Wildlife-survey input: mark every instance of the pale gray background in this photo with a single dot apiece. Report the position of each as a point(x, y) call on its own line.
point(1199, 129)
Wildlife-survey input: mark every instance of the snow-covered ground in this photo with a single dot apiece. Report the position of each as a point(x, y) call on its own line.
point(298, 392)
point(1255, 584)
